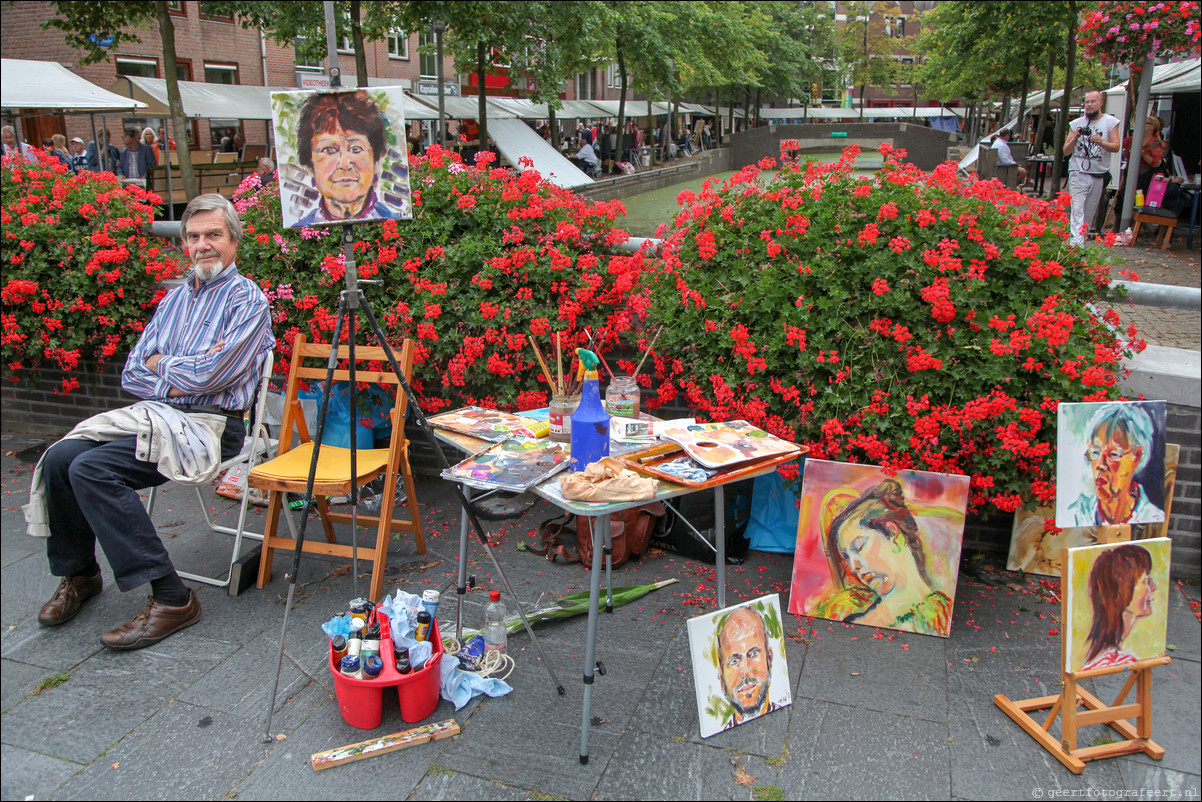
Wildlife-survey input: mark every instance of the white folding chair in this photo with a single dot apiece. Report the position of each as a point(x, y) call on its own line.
point(254, 448)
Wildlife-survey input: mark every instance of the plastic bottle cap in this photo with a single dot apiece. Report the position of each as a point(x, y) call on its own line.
point(494, 595)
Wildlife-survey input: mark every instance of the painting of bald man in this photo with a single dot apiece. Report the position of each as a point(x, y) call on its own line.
point(739, 668)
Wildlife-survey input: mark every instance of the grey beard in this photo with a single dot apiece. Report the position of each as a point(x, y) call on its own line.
point(205, 274)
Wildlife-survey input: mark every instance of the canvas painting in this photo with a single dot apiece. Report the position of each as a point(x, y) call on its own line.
point(1035, 547)
point(486, 424)
point(343, 156)
point(739, 668)
point(1110, 464)
point(1116, 603)
point(516, 464)
point(878, 550)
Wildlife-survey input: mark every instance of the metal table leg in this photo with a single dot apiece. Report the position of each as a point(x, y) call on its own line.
point(609, 573)
point(461, 588)
point(720, 536)
point(590, 649)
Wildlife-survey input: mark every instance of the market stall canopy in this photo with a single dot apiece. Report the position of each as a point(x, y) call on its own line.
point(634, 108)
point(200, 100)
point(517, 141)
point(581, 109)
point(1167, 79)
point(50, 85)
point(854, 114)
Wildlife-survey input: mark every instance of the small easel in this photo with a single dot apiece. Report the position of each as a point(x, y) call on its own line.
point(1138, 737)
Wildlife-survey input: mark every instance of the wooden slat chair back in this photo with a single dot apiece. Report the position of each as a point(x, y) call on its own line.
point(288, 472)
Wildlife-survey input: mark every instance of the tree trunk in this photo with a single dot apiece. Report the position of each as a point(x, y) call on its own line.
point(482, 137)
point(1069, 71)
point(1022, 103)
point(1047, 102)
point(357, 43)
point(178, 121)
point(554, 124)
point(1006, 108)
point(622, 106)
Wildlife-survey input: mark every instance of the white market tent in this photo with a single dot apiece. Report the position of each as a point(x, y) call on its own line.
point(200, 100)
point(854, 114)
point(48, 85)
point(517, 140)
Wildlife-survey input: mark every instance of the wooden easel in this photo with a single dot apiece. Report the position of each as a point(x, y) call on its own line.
point(1072, 697)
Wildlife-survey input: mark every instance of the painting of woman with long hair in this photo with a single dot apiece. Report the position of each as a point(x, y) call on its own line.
point(1117, 604)
point(889, 547)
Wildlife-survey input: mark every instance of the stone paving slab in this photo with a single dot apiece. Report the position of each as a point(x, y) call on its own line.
point(30, 775)
point(676, 769)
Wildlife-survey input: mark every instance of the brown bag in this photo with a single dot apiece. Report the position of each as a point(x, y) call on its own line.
point(630, 532)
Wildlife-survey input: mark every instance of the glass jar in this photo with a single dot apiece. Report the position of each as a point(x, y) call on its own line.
point(622, 397)
point(559, 414)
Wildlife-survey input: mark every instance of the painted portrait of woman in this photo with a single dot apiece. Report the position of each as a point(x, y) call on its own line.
point(1117, 603)
point(889, 547)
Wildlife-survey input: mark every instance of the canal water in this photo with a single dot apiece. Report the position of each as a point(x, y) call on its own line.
point(649, 210)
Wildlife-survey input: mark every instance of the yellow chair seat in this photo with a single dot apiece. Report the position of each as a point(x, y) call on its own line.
point(290, 472)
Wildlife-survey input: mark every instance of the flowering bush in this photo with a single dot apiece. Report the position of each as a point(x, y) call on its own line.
point(488, 259)
point(908, 319)
point(79, 274)
point(1124, 32)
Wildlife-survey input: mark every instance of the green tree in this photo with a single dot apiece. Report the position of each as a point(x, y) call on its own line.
point(865, 52)
point(85, 24)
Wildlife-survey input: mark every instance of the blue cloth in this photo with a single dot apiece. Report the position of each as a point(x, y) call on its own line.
point(459, 686)
point(774, 515)
point(372, 210)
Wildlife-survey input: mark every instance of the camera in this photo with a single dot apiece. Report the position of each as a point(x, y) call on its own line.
point(1085, 132)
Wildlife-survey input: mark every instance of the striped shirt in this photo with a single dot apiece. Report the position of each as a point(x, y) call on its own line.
point(188, 323)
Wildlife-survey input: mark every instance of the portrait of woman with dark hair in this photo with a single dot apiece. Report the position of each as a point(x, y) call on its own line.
point(1121, 593)
point(342, 157)
point(878, 550)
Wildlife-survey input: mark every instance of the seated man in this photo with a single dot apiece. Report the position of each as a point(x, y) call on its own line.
point(201, 354)
point(1005, 157)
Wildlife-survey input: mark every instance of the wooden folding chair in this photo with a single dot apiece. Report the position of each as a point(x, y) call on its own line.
point(289, 471)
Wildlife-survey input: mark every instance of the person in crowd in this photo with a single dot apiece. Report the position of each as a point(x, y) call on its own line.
point(588, 155)
point(1090, 141)
point(197, 365)
point(58, 149)
point(136, 157)
point(105, 157)
point(151, 140)
point(265, 171)
point(1005, 157)
point(11, 147)
point(1154, 151)
point(78, 152)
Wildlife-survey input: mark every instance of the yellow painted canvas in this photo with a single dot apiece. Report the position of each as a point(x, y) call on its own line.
point(1117, 599)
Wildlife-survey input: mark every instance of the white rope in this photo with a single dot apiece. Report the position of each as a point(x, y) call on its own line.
point(491, 664)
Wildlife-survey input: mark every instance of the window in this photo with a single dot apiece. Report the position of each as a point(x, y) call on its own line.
point(213, 17)
point(895, 27)
point(221, 73)
point(138, 67)
point(345, 43)
point(219, 129)
point(613, 78)
point(183, 69)
point(176, 8)
point(428, 61)
point(305, 63)
point(398, 45)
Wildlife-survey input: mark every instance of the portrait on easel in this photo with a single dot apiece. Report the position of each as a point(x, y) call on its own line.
point(343, 156)
point(1116, 603)
point(1110, 464)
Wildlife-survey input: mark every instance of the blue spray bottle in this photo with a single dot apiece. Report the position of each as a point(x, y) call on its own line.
point(590, 421)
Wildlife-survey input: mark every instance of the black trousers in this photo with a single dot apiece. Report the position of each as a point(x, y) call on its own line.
point(92, 495)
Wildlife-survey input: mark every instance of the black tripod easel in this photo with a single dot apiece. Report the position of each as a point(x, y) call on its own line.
point(350, 304)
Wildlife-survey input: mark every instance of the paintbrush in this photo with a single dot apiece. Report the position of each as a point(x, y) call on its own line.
point(647, 353)
point(543, 363)
point(559, 362)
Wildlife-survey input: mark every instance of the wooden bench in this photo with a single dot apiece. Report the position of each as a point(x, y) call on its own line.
point(220, 178)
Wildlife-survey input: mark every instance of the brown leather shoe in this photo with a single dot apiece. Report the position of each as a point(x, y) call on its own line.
point(153, 624)
point(72, 592)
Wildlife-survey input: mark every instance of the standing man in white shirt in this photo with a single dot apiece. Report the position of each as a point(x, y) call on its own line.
point(1089, 142)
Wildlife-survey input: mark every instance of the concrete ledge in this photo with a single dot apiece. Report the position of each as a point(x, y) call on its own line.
point(1171, 374)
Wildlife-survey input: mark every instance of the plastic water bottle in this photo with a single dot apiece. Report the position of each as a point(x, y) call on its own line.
point(495, 635)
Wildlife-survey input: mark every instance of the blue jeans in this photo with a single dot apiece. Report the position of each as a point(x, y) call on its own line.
point(92, 495)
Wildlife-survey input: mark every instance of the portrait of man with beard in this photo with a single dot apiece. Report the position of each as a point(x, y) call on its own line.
point(740, 659)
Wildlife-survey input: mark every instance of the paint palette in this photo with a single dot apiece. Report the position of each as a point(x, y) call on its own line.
point(725, 445)
point(516, 464)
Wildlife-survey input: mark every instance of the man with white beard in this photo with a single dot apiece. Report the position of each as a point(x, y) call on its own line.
point(201, 358)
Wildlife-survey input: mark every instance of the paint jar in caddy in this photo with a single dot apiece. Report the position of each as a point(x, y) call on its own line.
point(559, 414)
point(622, 397)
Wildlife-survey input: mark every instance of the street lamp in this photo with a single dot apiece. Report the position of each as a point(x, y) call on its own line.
point(440, 27)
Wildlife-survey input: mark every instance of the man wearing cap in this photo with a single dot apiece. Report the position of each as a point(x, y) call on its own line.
point(78, 155)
